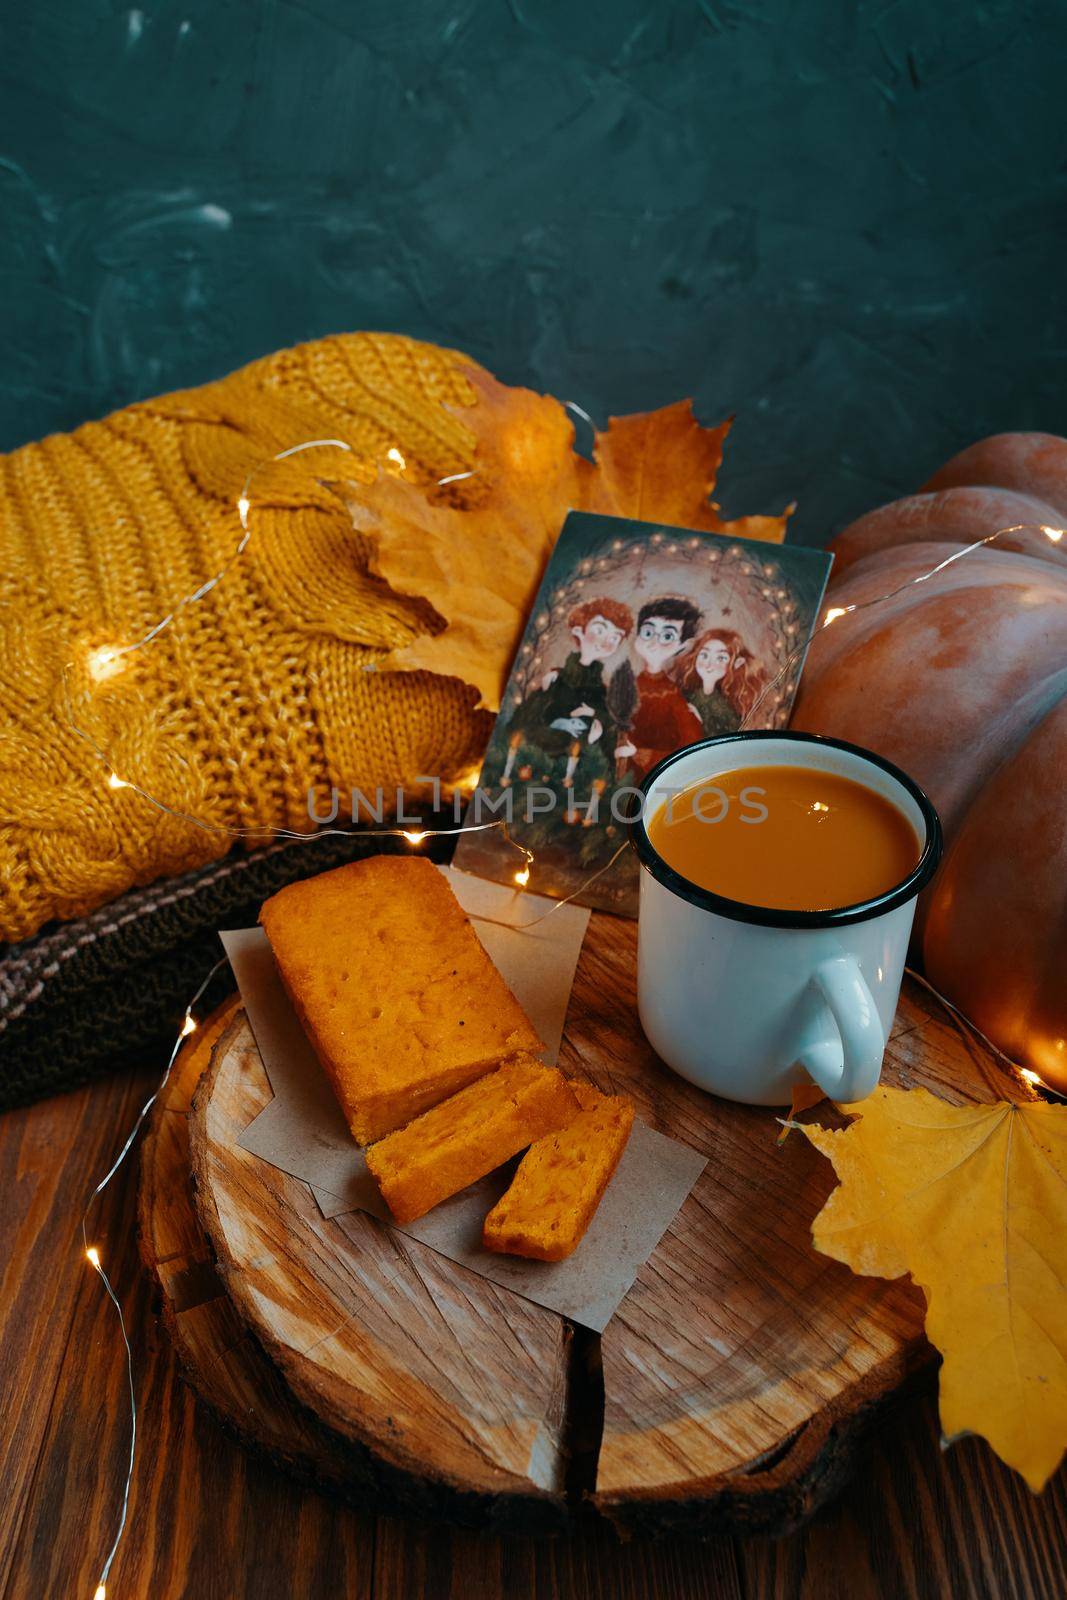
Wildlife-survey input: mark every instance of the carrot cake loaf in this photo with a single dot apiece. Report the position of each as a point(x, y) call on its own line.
point(561, 1181)
point(393, 987)
point(465, 1137)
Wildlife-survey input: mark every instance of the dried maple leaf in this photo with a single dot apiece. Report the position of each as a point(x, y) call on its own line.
point(972, 1202)
point(658, 466)
point(661, 466)
point(478, 566)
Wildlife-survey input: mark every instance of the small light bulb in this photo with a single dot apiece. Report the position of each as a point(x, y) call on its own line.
point(93, 1255)
point(833, 614)
point(522, 878)
point(414, 838)
point(243, 506)
point(115, 782)
point(188, 1027)
point(1029, 1075)
point(1055, 534)
point(103, 662)
point(393, 455)
point(101, 1592)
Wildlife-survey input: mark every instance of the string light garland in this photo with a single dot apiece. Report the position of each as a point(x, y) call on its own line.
point(1034, 1083)
point(92, 1255)
point(835, 613)
point(415, 837)
point(105, 661)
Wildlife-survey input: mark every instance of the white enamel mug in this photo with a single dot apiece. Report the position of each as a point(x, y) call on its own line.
point(748, 1002)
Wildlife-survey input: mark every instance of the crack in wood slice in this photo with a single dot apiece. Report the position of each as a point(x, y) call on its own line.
point(742, 1364)
point(728, 1392)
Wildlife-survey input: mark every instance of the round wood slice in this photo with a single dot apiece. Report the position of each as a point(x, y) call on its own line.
point(218, 1354)
point(728, 1391)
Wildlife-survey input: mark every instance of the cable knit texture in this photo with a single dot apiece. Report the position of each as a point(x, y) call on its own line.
point(264, 687)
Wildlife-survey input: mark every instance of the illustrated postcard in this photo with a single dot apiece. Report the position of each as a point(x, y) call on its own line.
point(642, 639)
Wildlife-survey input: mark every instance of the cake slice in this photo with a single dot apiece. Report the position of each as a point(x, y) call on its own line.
point(465, 1137)
point(393, 987)
point(561, 1181)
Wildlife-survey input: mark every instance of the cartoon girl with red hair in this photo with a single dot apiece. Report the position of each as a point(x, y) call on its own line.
point(721, 679)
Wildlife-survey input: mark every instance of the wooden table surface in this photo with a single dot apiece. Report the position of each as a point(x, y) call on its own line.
point(209, 1522)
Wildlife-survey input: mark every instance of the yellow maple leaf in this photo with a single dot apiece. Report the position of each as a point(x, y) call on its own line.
point(475, 554)
point(972, 1202)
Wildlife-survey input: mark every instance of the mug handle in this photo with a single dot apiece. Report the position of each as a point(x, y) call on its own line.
point(847, 1065)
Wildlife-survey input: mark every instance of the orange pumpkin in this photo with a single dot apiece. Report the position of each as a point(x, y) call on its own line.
point(962, 681)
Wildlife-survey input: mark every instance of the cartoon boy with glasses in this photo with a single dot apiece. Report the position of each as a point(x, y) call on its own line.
point(662, 719)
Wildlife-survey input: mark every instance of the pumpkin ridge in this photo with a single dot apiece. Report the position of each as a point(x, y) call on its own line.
point(960, 514)
point(1032, 463)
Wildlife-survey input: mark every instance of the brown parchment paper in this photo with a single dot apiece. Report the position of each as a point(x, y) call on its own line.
point(303, 1131)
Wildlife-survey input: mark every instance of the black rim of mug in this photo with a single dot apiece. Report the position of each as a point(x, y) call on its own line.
point(768, 916)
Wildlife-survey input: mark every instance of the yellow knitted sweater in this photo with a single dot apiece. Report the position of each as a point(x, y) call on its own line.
point(255, 692)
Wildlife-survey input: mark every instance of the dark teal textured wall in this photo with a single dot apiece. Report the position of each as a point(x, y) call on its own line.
point(843, 221)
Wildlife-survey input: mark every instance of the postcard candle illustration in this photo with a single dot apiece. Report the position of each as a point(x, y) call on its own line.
point(642, 639)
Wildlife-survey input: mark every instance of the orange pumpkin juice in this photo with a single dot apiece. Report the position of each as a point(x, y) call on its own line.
point(788, 838)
